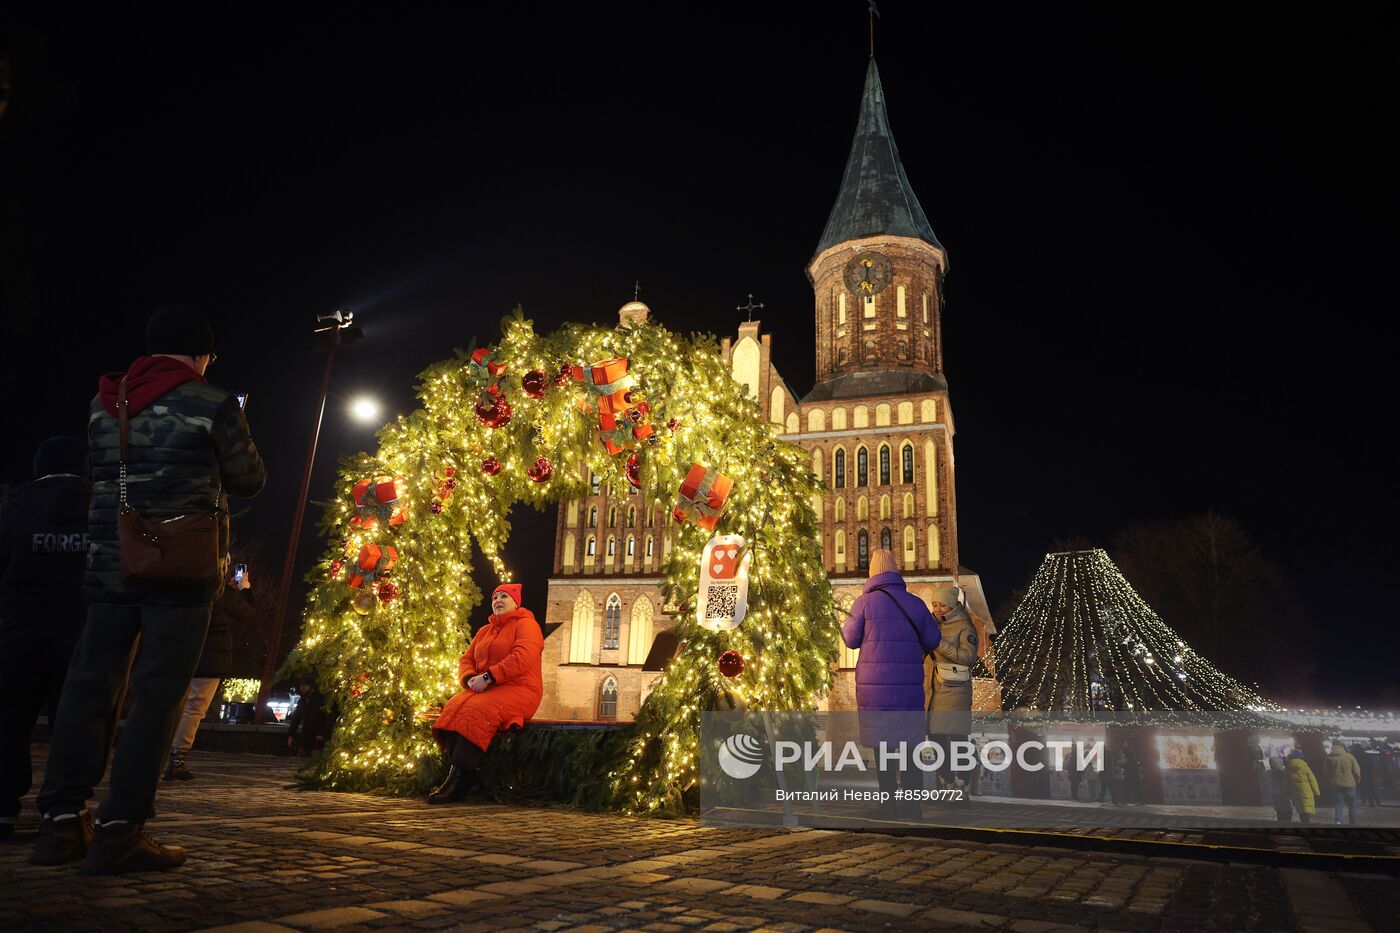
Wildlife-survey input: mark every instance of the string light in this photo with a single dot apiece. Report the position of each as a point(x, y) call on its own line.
point(1082, 639)
point(387, 670)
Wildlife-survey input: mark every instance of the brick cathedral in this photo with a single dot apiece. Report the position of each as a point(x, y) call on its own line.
point(877, 425)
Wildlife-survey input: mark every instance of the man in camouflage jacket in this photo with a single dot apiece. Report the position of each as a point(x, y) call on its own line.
point(190, 448)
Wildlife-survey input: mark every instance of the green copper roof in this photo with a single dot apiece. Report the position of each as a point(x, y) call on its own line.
point(875, 195)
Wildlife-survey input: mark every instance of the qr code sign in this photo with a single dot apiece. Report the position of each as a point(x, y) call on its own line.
point(720, 601)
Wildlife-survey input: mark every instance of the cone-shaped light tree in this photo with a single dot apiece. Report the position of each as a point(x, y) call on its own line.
point(383, 628)
point(1082, 639)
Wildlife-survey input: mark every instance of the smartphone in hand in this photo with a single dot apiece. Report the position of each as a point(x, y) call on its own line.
point(242, 400)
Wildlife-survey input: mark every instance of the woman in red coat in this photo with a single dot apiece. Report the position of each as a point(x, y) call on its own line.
point(501, 674)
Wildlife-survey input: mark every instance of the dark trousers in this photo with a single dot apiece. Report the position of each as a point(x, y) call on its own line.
point(171, 639)
point(22, 695)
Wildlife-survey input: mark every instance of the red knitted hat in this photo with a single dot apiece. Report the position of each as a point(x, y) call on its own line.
point(511, 589)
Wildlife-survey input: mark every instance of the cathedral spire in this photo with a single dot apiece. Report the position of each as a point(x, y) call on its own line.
point(875, 196)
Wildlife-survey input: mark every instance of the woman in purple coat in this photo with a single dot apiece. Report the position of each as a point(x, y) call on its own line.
point(893, 630)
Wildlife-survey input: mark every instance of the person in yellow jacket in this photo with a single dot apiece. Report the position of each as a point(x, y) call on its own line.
point(1344, 773)
point(1302, 786)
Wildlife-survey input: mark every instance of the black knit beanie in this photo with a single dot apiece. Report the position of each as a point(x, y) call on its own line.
point(179, 330)
point(61, 455)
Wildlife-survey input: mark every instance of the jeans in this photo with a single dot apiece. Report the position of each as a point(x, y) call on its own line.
point(201, 694)
point(1345, 796)
point(22, 695)
point(171, 639)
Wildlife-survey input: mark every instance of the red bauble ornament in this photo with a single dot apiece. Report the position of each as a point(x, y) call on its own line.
point(634, 471)
point(644, 407)
point(493, 411)
point(449, 472)
point(337, 566)
point(731, 663)
point(490, 466)
point(449, 484)
point(566, 373)
point(435, 508)
point(534, 383)
point(541, 471)
point(627, 397)
point(634, 415)
point(388, 592)
point(673, 424)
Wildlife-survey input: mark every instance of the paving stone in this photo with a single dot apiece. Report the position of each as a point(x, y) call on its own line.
point(332, 918)
point(409, 908)
point(822, 897)
point(696, 885)
point(463, 898)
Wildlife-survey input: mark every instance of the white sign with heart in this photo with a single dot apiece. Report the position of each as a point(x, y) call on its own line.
point(724, 583)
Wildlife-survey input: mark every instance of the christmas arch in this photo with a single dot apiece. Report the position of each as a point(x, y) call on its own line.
point(527, 420)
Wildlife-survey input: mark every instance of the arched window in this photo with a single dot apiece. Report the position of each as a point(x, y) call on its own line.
point(612, 546)
point(839, 468)
point(862, 417)
point(840, 508)
point(632, 516)
point(607, 699)
point(863, 550)
point(928, 411)
point(793, 423)
point(884, 464)
point(908, 511)
point(651, 516)
point(639, 632)
point(906, 463)
point(570, 545)
point(631, 545)
point(882, 415)
point(612, 517)
point(862, 509)
point(884, 507)
point(581, 630)
point(592, 546)
point(777, 399)
point(816, 420)
point(650, 544)
point(935, 556)
point(910, 557)
point(572, 514)
point(840, 549)
point(593, 517)
point(612, 622)
point(906, 412)
point(838, 419)
point(817, 469)
point(886, 541)
point(930, 478)
point(862, 466)
point(899, 301)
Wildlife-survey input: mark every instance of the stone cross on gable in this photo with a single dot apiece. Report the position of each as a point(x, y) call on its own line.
point(750, 307)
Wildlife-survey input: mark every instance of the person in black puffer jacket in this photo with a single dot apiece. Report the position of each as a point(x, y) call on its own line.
point(190, 448)
point(43, 550)
point(233, 610)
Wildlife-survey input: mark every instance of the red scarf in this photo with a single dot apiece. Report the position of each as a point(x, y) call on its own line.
point(147, 379)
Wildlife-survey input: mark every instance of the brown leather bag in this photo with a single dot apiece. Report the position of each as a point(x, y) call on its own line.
point(182, 550)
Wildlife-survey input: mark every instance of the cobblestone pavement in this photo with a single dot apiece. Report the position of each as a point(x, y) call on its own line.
point(264, 858)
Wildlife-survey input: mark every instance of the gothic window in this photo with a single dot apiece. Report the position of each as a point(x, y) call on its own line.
point(816, 420)
point(793, 423)
point(885, 539)
point(863, 550)
point(908, 505)
point(934, 552)
point(910, 557)
point(612, 546)
point(593, 517)
point(862, 509)
point(639, 630)
point(612, 621)
point(884, 506)
point(592, 546)
point(839, 462)
point(572, 519)
point(570, 546)
point(631, 546)
point(841, 548)
point(649, 545)
point(632, 517)
point(884, 464)
point(906, 463)
point(607, 699)
point(612, 517)
point(862, 467)
point(817, 468)
point(581, 631)
point(651, 514)
point(840, 508)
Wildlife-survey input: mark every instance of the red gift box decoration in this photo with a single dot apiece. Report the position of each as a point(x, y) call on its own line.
point(619, 434)
point(484, 364)
point(608, 384)
point(377, 500)
point(374, 561)
point(702, 497)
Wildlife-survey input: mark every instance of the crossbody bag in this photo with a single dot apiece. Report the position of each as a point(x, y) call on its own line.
point(182, 550)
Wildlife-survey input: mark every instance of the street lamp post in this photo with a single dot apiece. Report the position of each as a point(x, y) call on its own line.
point(339, 330)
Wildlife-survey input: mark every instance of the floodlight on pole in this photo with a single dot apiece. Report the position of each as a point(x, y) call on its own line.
point(365, 409)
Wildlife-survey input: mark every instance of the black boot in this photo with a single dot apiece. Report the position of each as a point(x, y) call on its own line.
point(176, 770)
point(118, 848)
point(452, 789)
point(62, 841)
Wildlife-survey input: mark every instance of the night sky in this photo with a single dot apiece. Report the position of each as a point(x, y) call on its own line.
point(1172, 237)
